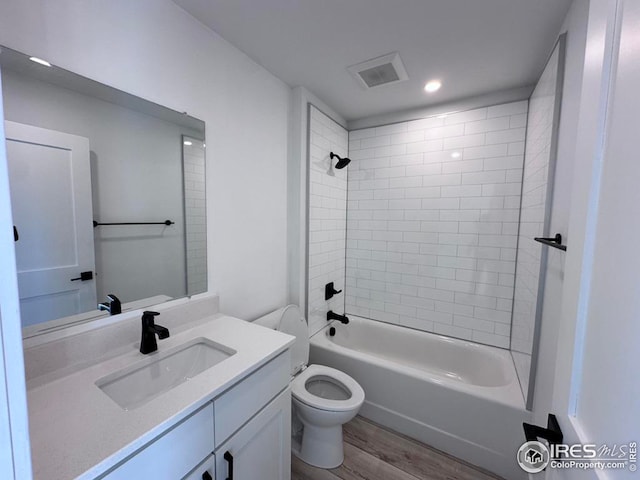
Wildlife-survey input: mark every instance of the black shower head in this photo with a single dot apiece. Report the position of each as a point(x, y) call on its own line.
point(342, 162)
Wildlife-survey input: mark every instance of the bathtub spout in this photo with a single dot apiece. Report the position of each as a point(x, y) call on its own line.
point(334, 316)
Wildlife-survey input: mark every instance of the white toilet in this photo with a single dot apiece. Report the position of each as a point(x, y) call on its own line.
point(323, 398)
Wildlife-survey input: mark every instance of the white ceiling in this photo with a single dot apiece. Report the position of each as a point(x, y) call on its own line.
point(473, 46)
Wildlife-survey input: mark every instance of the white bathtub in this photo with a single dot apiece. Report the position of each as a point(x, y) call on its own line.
point(457, 396)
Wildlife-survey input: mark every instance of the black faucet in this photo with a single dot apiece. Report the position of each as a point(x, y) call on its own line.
point(148, 342)
point(112, 305)
point(334, 316)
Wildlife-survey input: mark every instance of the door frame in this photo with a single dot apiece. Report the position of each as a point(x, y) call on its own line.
point(14, 423)
point(599, 67)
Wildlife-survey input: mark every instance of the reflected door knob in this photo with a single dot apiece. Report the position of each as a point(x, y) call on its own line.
point(84, 276)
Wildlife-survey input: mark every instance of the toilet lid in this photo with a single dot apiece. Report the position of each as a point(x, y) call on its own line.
point(293, 323)
point(326, 388)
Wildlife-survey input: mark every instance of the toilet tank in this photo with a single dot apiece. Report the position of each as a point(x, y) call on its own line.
point(290, 320)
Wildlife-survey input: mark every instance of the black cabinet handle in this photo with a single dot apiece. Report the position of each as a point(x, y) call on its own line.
point(16, 237)
point(206, 476)
point(229, 458)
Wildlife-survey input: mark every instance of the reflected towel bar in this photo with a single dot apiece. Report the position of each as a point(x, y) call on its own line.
point(166, 222)
point(555, 242)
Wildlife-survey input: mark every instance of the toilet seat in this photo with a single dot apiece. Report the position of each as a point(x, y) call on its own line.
point(331, 375)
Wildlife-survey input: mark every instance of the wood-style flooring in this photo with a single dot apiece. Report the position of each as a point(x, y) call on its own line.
point(373, 453)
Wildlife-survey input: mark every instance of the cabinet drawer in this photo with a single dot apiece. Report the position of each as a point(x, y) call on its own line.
point(201, 471)
point(241, 402)
point(173, 454)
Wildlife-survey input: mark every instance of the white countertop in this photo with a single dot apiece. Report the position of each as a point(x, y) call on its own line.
point(77, 431)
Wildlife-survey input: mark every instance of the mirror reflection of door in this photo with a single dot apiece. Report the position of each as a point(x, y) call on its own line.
point(50, 181)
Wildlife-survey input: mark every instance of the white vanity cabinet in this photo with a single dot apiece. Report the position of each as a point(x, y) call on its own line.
point(205, 471)
point(261, 449)
point(243, 434)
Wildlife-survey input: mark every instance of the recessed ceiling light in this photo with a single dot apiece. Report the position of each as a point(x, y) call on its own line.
point(188, 143)
point(432, 86)
point(40, 61)
point(456, 155)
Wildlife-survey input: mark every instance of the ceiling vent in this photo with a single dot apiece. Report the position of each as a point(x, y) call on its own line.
point(379, 71)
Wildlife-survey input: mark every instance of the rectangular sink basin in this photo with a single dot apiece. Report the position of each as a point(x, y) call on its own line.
point(144, 381)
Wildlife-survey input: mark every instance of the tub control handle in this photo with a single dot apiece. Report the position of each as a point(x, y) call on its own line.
point(229, 458)
point(334, 316)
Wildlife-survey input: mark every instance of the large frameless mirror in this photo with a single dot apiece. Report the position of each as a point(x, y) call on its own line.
point(107, 193)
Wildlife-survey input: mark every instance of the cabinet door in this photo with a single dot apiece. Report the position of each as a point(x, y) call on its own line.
point(261, 449)
point(205, 471)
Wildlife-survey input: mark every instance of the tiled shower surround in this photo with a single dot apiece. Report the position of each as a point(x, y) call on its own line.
point(432, 222)
point(193, 166)
point(537, 165)
point(327, 217)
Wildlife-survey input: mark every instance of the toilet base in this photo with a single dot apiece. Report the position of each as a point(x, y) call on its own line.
point(321, 447)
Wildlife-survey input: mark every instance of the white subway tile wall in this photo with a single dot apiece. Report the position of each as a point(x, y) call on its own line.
point(532, 218)
point(432, 222)
point(327, 217)
point(193, 165)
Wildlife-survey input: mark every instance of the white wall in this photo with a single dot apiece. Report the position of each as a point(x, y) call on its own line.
point(155, 50)
point(327, 217)
point(136, 174)
point(608, 404)
point(15, 433)
point(432, 222)
point(589, 351)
